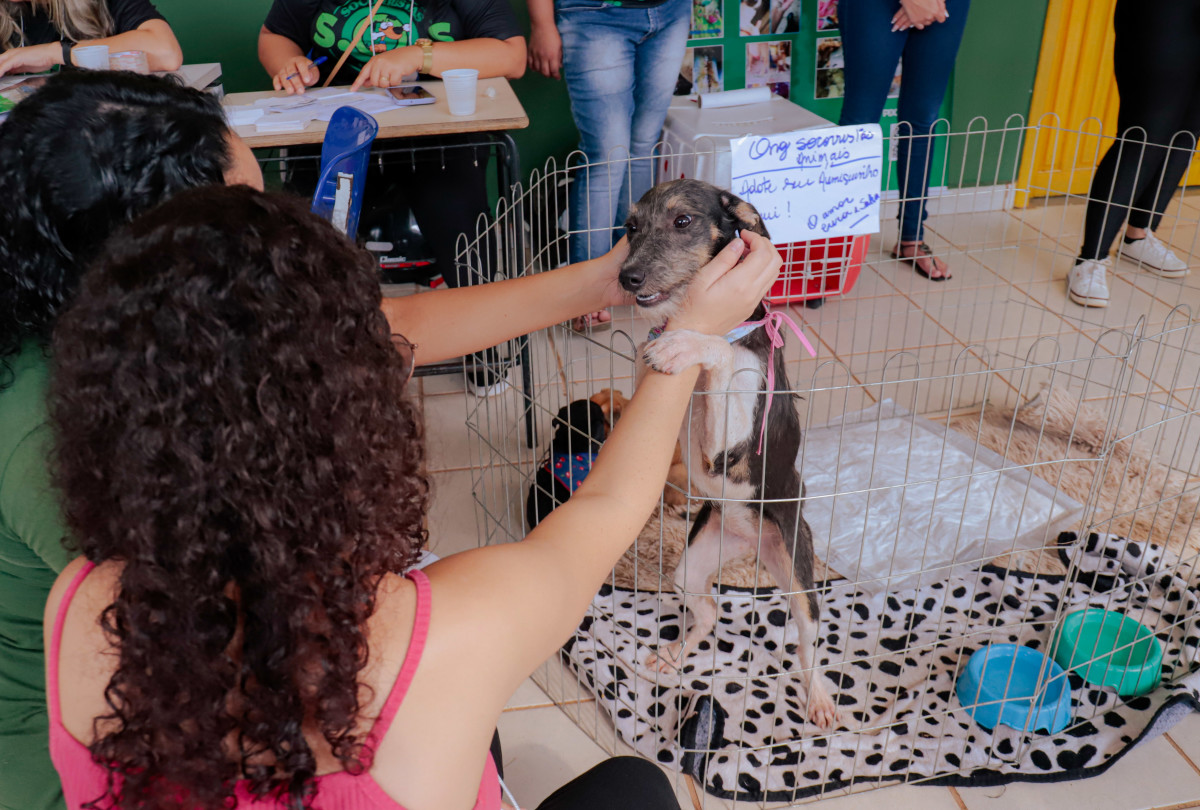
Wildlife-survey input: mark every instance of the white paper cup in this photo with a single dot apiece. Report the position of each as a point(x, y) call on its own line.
point(91, 57)
point(134, 61)
point(460, 87)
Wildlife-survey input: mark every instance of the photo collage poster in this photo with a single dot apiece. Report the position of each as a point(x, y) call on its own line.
point(702, 71)
point(769, 64)
point(708, 19)
point(758, 18)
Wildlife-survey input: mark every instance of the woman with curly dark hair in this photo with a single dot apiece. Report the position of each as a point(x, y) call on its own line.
point(81, 157)
point(245, 476)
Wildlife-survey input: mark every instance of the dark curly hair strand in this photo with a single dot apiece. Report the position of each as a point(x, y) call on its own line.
point(232, 427)
point(82, 156)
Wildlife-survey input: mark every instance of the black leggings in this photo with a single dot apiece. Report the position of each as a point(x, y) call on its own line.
point(1156, 60)
point(621, 783)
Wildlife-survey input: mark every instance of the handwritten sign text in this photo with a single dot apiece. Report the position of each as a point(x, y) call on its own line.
point(812, 184)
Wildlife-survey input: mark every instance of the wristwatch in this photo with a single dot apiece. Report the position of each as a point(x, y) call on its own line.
point(427, 48)
point(67, 45)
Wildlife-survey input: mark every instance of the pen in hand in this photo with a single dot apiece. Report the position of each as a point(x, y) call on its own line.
point(320, 60)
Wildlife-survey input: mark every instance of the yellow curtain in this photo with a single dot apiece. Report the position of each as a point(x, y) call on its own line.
point(1075, 97)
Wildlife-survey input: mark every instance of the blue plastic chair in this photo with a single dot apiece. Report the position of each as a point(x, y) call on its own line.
point(346, 150)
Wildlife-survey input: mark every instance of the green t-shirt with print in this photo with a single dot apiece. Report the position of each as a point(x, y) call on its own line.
point(328, 27)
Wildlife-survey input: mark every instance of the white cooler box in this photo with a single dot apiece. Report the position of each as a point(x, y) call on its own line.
point(697, 145)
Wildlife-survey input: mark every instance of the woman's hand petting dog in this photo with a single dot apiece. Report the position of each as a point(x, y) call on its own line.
point(723, 295)
point(727, 290)
point(604, 274)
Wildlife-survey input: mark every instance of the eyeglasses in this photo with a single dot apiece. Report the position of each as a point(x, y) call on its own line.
point(408, 355)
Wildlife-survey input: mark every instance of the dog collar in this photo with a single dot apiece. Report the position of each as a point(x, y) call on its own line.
point(735, 334)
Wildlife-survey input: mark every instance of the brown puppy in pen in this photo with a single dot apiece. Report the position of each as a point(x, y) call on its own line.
point(612, 402)
point(752, 500)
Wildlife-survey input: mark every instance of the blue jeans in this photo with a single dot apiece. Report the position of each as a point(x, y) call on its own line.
point(620, 64)
point(872, 51)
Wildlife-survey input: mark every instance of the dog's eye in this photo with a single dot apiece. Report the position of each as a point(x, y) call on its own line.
point(682, 221)
point(631, 227)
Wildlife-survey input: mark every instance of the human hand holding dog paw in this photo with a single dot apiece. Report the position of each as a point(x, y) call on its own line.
point(726, 291)
point(672, 352)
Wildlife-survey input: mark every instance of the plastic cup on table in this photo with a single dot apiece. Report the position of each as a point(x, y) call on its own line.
point(460, 85)
point(91, 57)
point(134, 61)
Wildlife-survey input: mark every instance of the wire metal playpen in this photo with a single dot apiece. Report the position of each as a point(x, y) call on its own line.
point(984, 462)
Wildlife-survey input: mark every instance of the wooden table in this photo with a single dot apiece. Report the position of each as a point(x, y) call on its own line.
point(497, 113)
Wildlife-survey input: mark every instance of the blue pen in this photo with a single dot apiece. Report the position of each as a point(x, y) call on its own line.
point(320, 60)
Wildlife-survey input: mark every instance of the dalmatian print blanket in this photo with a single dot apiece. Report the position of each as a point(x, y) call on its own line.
point(734, 717)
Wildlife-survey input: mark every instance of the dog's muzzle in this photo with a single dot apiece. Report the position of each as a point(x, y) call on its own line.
point(632, 280)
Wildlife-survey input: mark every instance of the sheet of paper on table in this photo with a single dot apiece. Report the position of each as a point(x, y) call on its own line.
point(812, 184)
point(294, 113)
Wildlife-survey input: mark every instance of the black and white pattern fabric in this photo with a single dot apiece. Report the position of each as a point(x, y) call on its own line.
point(735, 717)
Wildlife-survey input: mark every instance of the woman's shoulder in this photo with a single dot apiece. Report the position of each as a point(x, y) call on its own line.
point(94, 593)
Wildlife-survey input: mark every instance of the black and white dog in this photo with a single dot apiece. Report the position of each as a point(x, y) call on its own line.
point(752, 500)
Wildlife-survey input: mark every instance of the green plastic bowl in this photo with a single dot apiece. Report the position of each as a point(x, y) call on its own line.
point(1108, 648)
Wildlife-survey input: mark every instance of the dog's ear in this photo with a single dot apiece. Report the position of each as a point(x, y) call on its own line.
point(743, 214)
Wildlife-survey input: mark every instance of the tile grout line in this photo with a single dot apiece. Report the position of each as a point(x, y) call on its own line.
point(550, 705)
point(957, 798)
point(1181, 752)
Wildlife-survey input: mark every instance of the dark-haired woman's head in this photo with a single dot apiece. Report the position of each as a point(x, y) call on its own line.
point(232, 428)
point(82, 156)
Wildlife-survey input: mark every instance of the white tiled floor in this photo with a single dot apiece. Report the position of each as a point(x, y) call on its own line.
point(1017, 257)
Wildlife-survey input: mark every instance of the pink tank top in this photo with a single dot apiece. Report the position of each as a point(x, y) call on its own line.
point(83, 780)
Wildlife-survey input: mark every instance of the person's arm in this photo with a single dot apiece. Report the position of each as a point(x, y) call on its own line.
point(154, 37)
point(520, 601)
point(450, 323)
point(285, 62)
point(545, 44)
point(29, 504)
point(491, 57)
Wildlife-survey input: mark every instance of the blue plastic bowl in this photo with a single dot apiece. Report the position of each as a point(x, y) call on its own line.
point(999, 686)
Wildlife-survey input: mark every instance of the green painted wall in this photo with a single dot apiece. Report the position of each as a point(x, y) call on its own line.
point(994, 76)
point(994, 79)
point(224, 31)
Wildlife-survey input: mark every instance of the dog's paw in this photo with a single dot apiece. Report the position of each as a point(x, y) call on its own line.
point(822, 711)
point(672, 352)
point(668, 659)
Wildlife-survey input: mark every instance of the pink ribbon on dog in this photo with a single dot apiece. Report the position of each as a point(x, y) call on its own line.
point(773, 323)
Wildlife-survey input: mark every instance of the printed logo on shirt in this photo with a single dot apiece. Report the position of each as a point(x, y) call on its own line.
point(335, 30)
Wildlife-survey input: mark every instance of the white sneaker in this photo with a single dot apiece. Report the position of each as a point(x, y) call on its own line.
point(1086, 284)
point(478, 385)
point(1151, 254)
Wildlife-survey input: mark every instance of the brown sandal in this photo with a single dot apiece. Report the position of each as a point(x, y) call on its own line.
point(583, 325)
point(923, 251)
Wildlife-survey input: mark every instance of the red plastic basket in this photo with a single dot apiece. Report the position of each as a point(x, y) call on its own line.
point(819, 269)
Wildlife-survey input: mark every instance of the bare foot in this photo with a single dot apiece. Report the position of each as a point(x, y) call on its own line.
point(923, 260)
point(585, 322)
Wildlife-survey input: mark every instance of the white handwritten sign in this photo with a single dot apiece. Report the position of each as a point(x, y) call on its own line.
point(812, 184)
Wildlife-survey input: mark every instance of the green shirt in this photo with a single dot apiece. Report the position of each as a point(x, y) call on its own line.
point(31, 555)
